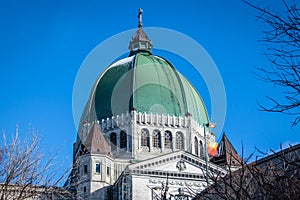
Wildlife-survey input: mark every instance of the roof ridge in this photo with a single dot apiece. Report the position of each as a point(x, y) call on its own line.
point(96, 142)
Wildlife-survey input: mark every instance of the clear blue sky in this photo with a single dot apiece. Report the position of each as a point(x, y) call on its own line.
point(43, 44)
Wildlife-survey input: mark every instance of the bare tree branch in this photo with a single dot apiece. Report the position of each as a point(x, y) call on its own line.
point(25, 172)
point(274, 177)
point(282, 48)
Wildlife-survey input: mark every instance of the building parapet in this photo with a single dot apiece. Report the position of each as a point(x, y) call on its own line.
point(149, 119)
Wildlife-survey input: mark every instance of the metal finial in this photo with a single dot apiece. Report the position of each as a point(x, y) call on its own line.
point(140, 40)
point(140, 17)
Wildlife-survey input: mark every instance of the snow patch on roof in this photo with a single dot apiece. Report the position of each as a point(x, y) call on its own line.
point(122, 61)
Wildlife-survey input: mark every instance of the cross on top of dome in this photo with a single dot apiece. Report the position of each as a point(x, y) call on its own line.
point(140, 18)
point(140, 41)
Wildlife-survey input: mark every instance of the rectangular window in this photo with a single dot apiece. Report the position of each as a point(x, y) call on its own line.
point(85, 169)
point(98, 168)
point(107, 171)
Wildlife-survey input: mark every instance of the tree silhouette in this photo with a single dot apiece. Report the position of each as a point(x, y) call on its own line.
point(25, 172)
point(274, 177)
point(282, 48)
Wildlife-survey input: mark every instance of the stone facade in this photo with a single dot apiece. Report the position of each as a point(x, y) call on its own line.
point(179, 130)
point(138, 141)
point(177, 173)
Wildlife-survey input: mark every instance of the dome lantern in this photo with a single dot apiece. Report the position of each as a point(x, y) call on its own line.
point(140, 41)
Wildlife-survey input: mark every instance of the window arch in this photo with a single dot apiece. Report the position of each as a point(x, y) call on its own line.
point(196, 146)
point(145, 140)
point(123, 140)
point(113, 141)
point(168, 140)
point(201, 149)
point(179, 140)
point(156, 139)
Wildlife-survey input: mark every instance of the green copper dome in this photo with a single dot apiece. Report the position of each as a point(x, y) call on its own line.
point(145, 83)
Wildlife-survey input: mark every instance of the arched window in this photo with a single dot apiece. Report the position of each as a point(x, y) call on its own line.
point(196, 146)
point(113, 141)
point(201, 149)
point(145, 140)
point(156, 139)
point(179, 140)
point(168, 140)
point(123, 140)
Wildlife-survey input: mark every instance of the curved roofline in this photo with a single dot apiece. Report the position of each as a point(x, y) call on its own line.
point(94, 88)
point(87, 115)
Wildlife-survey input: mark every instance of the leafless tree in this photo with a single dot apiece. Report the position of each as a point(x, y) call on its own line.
point(25, 172)
point(274, 177)
point(282, 48)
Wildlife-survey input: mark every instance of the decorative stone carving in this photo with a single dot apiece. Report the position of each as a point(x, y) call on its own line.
point(181, 165)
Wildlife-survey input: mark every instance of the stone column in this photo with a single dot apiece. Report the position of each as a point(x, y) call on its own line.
point(151, 120)
point(118, 140)
point(122, 119)
point(189, 134)
point(150, 140)
point(174, 141)
point(112, 122)
point(168, 120)
point(117, 120)
point(162, 140)
point(128, 141)
point(107, 123)
point(133, 133)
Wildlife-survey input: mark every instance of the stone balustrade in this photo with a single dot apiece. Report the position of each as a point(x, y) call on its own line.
point(149, 119)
